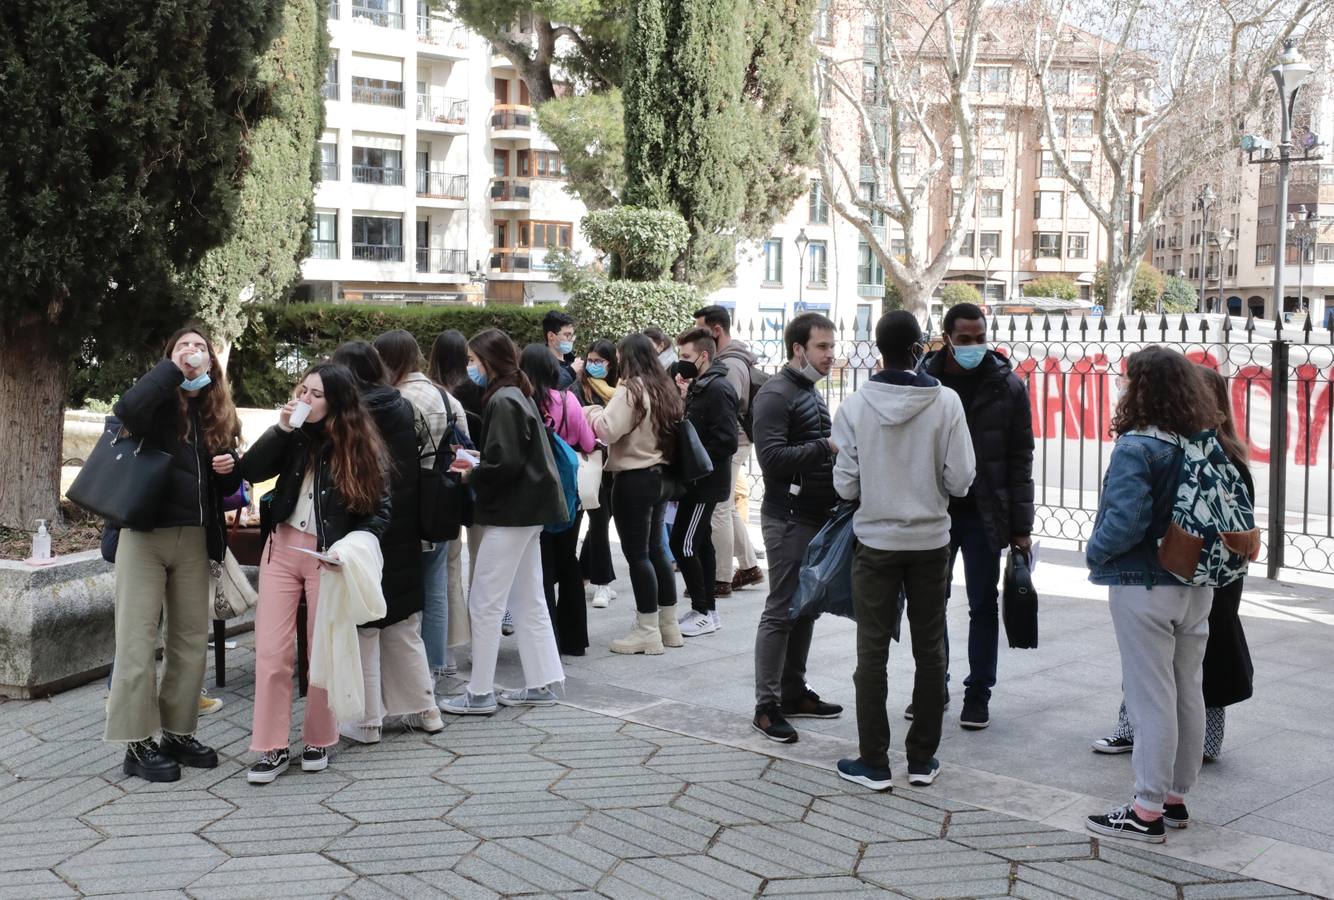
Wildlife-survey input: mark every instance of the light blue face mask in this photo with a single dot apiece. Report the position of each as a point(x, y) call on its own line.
point(477, 375)
point(197, 384)
point(596, 370)
point(969, 357)
point(565, 346)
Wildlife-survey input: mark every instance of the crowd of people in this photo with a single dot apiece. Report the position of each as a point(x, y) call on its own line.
point(935, 451)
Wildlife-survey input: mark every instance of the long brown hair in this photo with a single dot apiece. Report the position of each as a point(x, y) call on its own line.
point(497, 352)
point(643, 376)
point(218, 421)
point(357, 452)
point(1164, 390)
point(401, 354)
point(1232, 443)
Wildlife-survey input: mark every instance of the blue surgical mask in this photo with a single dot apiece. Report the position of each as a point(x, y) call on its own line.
point(596, 370)
point(197, 384)
point(477, 375)
point(565, 346)
point(969, 357)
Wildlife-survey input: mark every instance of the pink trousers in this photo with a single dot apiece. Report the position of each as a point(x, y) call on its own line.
point(283, 575)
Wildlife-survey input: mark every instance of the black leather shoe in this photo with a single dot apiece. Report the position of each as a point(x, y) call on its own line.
point(189, 752)
point(145, 760)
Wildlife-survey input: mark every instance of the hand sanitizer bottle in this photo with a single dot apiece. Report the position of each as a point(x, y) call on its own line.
point(41, 542)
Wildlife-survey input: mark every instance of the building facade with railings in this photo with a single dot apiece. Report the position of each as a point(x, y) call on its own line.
point(439, 187)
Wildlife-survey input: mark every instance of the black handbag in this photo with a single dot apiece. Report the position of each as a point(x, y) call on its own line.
point(691, 461)
point(122, 481)
point(445, 502)
point(1019, 602)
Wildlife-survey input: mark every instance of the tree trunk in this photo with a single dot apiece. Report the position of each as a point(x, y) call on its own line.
point(1120, 284)
point(33, 385)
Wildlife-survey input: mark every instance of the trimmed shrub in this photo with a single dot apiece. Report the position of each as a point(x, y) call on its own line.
point(644, 242)
point(613, 309)
point(954, 293)
point(1051, 286)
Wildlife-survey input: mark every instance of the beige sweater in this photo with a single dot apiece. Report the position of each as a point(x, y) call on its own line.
point(630, 446)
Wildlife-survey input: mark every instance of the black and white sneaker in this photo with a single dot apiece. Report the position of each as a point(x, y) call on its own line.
point(1125, 823)
point(1175, 815)
point(270, 766)
point(314, 759)
point(1113, 745)
point(877, 778)
point(769, 721)
point(975, 715)
point(923, 773)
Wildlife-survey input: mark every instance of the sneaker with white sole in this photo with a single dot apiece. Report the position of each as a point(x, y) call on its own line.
point(602, 596)
point(314, 759)
point(538, 696)
point(428, 721)
point(877, 778)
point(467, 704)
point(270, 766)
point(1175, 815)
point(717, 622)
point(923, 773)
point(695, 623)
point(361, 734)
point(1113, 745)
point(1124, 822)
point(208, 704)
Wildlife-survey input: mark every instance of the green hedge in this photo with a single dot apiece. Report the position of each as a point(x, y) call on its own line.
point(613, 309)
point(282, 341)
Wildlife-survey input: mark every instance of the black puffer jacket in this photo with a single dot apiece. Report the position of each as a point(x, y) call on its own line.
point(285, 454)
point(401, 542)
point(1001, 424)
point(150, 410)
point(711, 406)
point(792, 443)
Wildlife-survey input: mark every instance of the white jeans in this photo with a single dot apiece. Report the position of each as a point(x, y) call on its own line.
point(394, 667)
point(507, 571)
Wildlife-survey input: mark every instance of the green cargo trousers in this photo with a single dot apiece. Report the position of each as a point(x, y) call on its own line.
point(161, 576)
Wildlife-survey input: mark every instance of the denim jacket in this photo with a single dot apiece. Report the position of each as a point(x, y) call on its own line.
point(1135, 510)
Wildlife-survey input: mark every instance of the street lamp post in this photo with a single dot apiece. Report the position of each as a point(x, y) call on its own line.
point(987, 257)
point(1290, 73)
point(1303, 234)
point(1207, 198)
point(801, 241)
point(1223, 240)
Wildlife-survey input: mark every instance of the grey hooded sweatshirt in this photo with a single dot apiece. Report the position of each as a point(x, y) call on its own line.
point(903, 450)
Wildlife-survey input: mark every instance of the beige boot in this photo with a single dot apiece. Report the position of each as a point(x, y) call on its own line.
point(668, 627)
point(643, 638)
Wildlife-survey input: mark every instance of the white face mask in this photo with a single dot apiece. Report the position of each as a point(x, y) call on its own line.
point(807, 370)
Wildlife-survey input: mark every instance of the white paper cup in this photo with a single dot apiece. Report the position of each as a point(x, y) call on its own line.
point(299, 413)
point(197, 359)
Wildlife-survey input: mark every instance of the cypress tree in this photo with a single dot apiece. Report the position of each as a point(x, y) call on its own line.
point(124, 124)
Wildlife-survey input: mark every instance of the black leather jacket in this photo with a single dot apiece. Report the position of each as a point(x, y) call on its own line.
point(284, 454)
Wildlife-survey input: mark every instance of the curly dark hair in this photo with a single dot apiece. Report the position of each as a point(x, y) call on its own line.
point(1164, 390)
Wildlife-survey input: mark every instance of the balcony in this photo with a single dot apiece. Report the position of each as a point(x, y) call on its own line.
point(378, 252)
point(517, 191)
point(377, 96)
point(442, 185)
point(438, 33)
point(329, 90)
point(1174, 242)
point(377, 175)
point(515, 119)
point(442, 110)
point(517, 260)
point(324, 250)
point(328, 171)
point(382, 18)
point(437, 261)
point(333, 10)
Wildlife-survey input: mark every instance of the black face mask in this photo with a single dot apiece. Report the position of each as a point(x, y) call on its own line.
point(687, 370)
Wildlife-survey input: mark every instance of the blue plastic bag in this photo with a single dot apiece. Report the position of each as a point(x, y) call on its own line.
point(826, 570)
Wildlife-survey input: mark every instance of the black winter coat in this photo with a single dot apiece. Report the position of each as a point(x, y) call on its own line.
point(193, 497)
point(516, 484)
point(711, 405)
point(1001, 424)
point(401, 542)
point(285, 454)
point(791, 427)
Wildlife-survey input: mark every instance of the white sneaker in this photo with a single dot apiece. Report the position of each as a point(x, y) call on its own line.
point(694, 624)
point(361, 734)
point(603, 596)
point(428, 721)
point(717, 622)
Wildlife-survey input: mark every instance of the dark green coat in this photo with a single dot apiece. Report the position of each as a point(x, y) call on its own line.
point(516, 483)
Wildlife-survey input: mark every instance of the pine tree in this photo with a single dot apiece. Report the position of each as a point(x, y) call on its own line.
point(124, 124)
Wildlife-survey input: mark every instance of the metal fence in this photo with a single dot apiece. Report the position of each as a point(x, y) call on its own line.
point(1280, 385)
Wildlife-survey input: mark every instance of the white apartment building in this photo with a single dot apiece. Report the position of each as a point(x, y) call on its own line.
point(437, 185)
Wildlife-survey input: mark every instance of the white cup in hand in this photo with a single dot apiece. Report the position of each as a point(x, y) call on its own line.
point(300, 410)
point(197, 359)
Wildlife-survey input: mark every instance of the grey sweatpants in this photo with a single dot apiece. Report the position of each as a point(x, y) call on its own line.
point(1161, 633)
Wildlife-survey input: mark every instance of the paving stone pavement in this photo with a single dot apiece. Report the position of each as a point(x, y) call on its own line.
point(557, 802)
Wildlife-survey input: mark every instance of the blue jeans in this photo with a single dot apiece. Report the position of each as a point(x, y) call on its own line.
point(435, 609)
point(981, 575)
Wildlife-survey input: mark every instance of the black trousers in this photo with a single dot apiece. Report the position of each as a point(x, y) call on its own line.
point(595, 557)
point(560, 572)
point(638, 508)
point(692, 545)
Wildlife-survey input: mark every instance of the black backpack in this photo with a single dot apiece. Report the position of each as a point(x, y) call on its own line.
point(757, 379)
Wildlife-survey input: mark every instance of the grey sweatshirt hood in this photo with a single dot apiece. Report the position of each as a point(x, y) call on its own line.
point(738, 350)
point(897, 397)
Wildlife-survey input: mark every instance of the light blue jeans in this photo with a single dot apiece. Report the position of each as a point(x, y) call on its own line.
point(435, 609)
